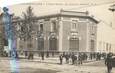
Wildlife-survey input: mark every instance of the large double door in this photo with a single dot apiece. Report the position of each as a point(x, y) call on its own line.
point(74, 44)
point(53, 44)
point(41, 44)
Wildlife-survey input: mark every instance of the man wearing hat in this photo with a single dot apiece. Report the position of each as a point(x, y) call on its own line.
point(108, 62)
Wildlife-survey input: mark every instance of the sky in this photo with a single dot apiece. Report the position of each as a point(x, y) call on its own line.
point(12, 2)
point(44, 7)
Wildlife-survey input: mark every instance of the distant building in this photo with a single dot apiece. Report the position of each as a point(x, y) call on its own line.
point(105, 38)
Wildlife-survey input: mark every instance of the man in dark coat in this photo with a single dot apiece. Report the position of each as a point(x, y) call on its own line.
point(73, 58)
point(80, 58)
point(42, 55)
point(108, 62)
point(61, 58)
point(67, 58)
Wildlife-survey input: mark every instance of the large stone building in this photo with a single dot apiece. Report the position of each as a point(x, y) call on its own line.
point(68, 31)
point(64, 31)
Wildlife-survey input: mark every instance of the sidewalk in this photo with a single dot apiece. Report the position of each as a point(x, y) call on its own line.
point(50, 60)
point(53, 60)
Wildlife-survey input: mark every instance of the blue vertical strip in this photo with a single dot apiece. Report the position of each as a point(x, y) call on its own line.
point(11, 40)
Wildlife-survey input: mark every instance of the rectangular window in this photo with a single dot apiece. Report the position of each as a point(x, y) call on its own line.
point(74, 25)
point(41, 27)
point(92, 45)
point(93, 30)
point(53, 26)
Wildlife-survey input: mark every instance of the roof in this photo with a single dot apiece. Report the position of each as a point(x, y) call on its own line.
point(69, 14)
point(63, 13)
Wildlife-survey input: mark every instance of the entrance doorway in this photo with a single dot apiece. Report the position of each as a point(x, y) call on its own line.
point(53, 44)
point(74, 44)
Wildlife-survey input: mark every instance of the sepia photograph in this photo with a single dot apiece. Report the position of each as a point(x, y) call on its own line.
point(58, 36)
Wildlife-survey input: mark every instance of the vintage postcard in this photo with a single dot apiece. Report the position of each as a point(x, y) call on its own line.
point(58, 36)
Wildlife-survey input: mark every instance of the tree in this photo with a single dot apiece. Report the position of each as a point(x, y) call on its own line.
point(25, 27)
point(28, 29)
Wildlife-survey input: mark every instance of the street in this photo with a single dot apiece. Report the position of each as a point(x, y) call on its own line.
point(50, 65)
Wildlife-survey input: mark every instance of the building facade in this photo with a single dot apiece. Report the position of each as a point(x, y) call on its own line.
point(64, 31)
point(105, 38)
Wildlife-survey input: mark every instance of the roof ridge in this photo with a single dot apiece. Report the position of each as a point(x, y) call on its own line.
point(62, 10)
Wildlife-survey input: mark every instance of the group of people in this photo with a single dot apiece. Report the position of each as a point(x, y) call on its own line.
point(30, 55)
point(74, 59)
point(80, 57)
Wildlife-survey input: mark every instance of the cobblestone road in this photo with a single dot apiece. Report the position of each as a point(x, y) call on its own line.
point(52, 66)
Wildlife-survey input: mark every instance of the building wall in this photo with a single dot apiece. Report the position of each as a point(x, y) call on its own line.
point(66, 28)
point(92, 35)
point(105, 35)
point(84, 33)
point(47, 32)
point(47, 29)
point(64, 32)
